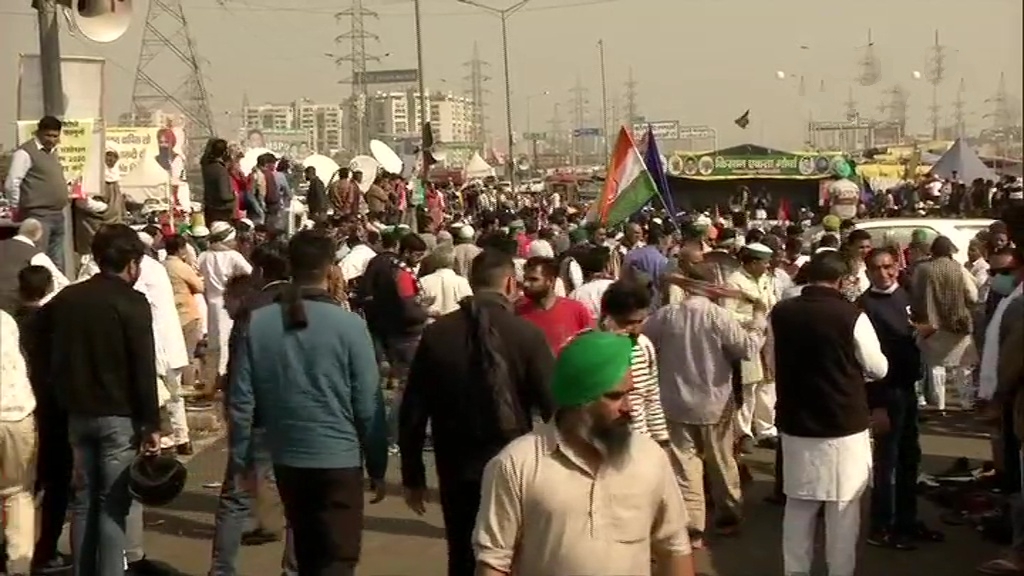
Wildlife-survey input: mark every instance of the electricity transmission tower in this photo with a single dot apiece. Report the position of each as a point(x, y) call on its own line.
point(936, 75)
point(870, 66)
point(476, 79)
point(579, 111)
point(960, 111)
point(167, 33)
point(896, 107)
point(357, 57)
point(632, 113)
point(557, 135)
point(852, 115)
point(1005, 108)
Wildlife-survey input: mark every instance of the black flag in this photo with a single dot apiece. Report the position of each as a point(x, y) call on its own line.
point(744, 120)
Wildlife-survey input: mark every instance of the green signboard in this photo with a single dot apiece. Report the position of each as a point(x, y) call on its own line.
point(711, 166)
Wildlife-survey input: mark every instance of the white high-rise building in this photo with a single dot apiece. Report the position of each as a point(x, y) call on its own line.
point(323, 122)
point(269, 117)
point(397, 114)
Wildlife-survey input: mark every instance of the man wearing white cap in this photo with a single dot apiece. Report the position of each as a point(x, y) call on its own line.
point(465, 250)
point(756, 416)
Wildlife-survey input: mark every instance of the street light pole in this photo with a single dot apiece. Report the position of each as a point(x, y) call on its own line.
point(604, 99)
point(510, 168)
point(424, 106)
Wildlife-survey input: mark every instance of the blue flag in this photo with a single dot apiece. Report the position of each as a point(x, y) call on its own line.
point(652, 158)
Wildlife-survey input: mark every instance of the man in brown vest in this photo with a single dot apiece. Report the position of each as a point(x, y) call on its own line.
point(36, 186)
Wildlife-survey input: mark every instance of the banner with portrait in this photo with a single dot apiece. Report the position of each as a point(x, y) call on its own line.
point(77, 152)
point(149, 163)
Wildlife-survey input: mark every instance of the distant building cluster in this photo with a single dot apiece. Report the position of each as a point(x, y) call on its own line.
point(386, 115)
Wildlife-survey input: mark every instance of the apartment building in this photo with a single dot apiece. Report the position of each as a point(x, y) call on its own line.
point(398, 114)
point(323, 122)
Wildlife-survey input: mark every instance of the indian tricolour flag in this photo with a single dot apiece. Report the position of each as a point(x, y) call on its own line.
point(627, 187)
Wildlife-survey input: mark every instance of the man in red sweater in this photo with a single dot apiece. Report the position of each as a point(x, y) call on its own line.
point(559, 318)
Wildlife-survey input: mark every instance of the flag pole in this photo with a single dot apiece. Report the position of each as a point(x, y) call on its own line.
point(604, 98)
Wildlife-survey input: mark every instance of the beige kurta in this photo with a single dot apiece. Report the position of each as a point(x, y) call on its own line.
point(543, 512)
point(763, 289)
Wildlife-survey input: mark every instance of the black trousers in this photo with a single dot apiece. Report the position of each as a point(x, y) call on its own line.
point(55, 464)
point(460, 501)
point(324, 508)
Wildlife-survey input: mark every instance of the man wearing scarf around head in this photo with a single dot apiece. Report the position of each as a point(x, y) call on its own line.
point(597, 498)
point(89, 214)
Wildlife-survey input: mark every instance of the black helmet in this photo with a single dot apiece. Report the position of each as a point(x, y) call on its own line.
point(156, 480)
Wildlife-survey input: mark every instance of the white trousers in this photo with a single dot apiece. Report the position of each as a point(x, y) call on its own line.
point(176, 407)
point(956, 377)
point(756, 417)
point(842, 529)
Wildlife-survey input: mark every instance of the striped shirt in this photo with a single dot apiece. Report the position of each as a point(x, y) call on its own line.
point(645, 398)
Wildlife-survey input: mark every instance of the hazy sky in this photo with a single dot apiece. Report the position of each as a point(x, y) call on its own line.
point(696, 61)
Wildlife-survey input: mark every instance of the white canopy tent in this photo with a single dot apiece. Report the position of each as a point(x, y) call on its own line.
point(477, 168)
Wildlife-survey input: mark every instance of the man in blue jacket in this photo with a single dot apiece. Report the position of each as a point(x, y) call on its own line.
point(308, 366)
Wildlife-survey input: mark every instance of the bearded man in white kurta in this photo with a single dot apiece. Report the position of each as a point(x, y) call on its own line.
point(825, 352)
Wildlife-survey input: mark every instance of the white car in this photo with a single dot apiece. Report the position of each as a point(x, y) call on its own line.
point(886, 231)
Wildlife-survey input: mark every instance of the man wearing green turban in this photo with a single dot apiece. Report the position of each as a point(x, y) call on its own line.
point(590, 366)
point(587, 450)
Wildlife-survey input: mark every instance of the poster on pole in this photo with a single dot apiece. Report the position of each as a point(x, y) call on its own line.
point(77, 152)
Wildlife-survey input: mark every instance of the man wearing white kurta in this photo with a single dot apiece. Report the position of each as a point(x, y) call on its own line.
point(825, 352)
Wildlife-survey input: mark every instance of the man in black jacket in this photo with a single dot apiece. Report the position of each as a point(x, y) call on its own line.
point(897, 452)
point(476, 401)
point(316, 196)
point(55, 462)
point(104, 374)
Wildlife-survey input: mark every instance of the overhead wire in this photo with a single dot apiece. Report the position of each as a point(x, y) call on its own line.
point(258, 7)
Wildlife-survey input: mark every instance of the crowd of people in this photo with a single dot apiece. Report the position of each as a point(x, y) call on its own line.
point(588, 392)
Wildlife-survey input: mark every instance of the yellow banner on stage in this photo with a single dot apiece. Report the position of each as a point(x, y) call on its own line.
point(76, 148)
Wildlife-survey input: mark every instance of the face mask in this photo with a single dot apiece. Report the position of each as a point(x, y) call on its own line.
point(1003, 284)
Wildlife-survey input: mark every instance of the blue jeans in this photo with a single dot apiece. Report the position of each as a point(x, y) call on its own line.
point(235, 507)
point(53, 237)
point(106, 447)
point(897, 460)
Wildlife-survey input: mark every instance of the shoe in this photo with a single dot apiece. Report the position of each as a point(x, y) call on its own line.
point(922, 533)
point(184, 449)
point(1001, 567)
point(53, 566)
point(147, 567)
point(259, 537)
point(746, 445)
point(884, 539)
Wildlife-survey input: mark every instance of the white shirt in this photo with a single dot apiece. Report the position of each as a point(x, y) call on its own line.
point(217, 267)
point(446, 288)
point(41, 259)
point(17, 400)
point(353, 264)
point(155, 284)
point(590, 295)
point(979, 273)
point(988, 372)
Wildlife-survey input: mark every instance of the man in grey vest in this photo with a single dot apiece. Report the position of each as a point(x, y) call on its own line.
point(36, 186)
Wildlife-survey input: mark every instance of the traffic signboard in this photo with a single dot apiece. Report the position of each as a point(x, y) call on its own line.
point(581, 132)
point(535, 136)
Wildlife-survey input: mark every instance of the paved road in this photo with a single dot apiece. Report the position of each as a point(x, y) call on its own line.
point(396, 543)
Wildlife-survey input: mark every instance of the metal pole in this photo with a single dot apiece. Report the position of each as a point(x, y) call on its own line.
point(604, 99)
point(424, 105)
point(49, 59)
point(510, 168)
